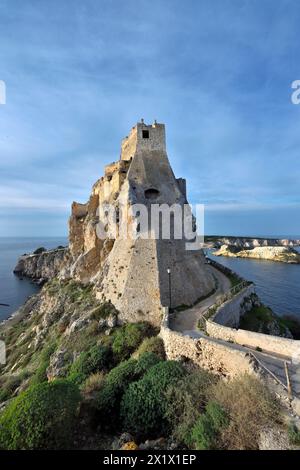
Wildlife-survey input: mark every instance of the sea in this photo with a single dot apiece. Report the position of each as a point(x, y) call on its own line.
point(277, 284)
point(14, 291)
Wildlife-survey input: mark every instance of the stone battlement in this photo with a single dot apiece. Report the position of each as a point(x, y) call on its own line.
point(143, 137)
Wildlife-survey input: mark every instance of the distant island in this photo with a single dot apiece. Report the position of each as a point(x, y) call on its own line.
point(284, 254)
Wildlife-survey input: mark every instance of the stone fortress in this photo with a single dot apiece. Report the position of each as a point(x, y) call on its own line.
point(132, 274)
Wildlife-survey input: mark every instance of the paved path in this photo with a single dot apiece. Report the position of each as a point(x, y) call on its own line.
point(188, 319)
point(186, 322)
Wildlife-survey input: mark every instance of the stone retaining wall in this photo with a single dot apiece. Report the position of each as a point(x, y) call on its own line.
point(227, 316)
point(227, 361)
point(229, 313)
point(271, 344)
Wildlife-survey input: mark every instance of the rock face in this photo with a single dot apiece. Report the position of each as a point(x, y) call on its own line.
point(43, 266)
point(130, 273)
point(246, 242)
point(272, 253)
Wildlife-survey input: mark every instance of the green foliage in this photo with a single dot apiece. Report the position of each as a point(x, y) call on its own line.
point(145, 362)
point(103, 311)
point(144, 403)
point(95, 359)
point(41, 372)
point(205, 432)
point(293, 434)
point(186, 401)
point(42, 417)
point(9, 384)
point(39, 251)
point(116, 382)
point(129, 337)
point(154, 345)
point(292, 323)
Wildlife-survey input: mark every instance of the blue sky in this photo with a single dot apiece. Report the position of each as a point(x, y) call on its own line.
point(217, 73)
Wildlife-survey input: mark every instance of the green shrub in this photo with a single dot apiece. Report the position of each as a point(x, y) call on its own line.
point(103, 311)
point(95, 359)
point(145, 362)
point(10, 384)
point(41, 372)
point(293, 434)
point(203, 434)
point(144, 403)
point(39, 251)
point(154, 345)
point(128, 338)
point(186, 401)
point(116, 382)
point(208, 426)
point(42, 417)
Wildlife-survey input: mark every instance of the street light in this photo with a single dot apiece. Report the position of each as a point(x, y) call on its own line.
point(169, 276)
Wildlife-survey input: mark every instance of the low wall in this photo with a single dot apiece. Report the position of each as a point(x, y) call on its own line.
point(271, 344)
point(229, 313)
point(221, 325)
point(227, 361)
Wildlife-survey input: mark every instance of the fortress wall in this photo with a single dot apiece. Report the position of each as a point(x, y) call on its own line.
point(220, 359)
point(272, 344)
point(230, 312)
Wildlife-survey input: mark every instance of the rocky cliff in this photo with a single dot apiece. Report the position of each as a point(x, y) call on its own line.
point(272, 253)
point(130, 270)
point(44, 266)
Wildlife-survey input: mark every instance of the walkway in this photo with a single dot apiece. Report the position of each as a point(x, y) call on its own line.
point(188, 319)
point(186, 322)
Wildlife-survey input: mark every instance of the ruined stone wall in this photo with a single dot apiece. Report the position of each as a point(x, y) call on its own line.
point(227, 361)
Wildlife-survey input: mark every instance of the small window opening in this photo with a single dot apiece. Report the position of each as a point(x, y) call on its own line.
point(145, 134)
point(151, 193)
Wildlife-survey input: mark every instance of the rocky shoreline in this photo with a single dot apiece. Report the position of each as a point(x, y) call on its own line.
point(42, 266)
point(248, 242)
point(272, 253)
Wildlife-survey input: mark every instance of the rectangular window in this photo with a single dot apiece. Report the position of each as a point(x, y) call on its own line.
point(145, 134)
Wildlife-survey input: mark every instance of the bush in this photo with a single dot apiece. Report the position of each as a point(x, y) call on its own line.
point(144, 403)
point(93, 383)
point(41, 372)
point(251, 407)
point(186, 401)
point(293, 434)
point(153, 345)
point(42, 417)
point(128, 338)
point(95, 359)
point(116, 382)
point(10, 384)
point(202, 434)
point(39, 251)
point(145, 362)
point(206, 430)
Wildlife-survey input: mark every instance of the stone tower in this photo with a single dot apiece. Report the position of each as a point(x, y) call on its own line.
point(132, 274)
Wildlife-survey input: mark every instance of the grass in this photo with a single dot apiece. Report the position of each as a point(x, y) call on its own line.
point(257, 319)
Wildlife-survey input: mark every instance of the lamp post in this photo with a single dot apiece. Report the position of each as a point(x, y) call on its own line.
point(169, 276)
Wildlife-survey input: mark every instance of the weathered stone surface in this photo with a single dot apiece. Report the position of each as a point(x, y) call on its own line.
point(284, 254)
point(43, 266)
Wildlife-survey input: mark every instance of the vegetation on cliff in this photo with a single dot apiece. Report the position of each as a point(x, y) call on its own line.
point(67, 353)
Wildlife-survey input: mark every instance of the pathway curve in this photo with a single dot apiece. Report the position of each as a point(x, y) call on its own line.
point(187, 320)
